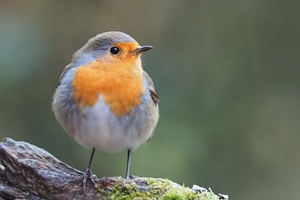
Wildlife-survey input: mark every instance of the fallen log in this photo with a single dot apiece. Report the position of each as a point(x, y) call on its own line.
point(29, 172)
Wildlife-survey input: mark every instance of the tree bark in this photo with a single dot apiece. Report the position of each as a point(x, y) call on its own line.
point(29, 172)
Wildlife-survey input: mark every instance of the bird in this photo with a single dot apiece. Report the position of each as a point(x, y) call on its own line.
point(104, 99)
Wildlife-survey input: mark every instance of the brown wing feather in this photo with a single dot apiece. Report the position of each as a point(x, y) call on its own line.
point(153, 94)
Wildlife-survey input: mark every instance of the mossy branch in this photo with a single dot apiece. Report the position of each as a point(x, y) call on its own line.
point(29, 172)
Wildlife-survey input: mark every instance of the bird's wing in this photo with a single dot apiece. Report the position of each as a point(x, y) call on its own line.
point(67, 68)
point(151, 88)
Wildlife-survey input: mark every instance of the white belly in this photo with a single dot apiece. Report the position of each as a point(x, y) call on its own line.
point(98, 128)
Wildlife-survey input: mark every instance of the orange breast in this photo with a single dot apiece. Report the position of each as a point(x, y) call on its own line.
point(120, 85)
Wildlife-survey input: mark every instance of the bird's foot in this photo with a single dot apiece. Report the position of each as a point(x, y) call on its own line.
point(88, 176)
point(131, 177)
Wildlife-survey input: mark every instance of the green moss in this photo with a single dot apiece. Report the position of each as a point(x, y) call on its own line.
point(187, 194)
point(129, 190)
point(150, 188)
point(173, 195)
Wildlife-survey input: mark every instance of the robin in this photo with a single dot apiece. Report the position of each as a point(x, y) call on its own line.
point(104, 99)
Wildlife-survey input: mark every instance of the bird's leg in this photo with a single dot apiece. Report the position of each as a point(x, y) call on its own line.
point(128, 163)
point(88, 174)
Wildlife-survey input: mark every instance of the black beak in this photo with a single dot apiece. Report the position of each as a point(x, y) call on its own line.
point(142, 49)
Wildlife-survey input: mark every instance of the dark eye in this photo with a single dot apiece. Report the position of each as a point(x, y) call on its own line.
point(114, 50)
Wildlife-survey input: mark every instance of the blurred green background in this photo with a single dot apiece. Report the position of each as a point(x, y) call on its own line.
point(227, 74)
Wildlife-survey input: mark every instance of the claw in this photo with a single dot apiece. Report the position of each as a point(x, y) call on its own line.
point(88, 174)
